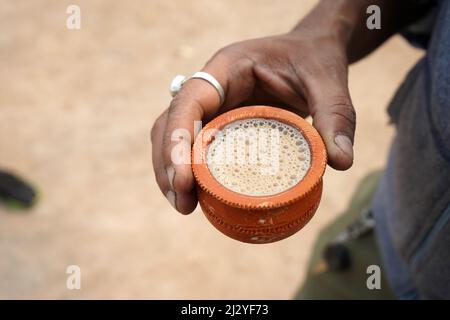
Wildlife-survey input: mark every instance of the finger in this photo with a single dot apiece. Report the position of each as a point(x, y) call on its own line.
point(335, 119)
point(262, 97)
point(192, 103)
point(161, 176)
point(281, 83)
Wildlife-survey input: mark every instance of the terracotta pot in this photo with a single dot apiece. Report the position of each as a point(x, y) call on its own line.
point(259, 219)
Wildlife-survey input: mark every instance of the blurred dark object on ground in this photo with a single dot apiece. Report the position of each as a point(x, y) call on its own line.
point(16, 192)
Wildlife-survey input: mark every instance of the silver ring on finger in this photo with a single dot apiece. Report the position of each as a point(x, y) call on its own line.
point(178, 82)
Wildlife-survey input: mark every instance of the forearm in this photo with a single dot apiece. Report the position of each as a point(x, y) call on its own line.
point(346, 20)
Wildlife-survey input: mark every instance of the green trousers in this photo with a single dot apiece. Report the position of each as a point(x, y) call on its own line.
point(323, 283)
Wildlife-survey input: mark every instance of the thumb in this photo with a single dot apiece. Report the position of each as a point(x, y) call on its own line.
point(335, 119)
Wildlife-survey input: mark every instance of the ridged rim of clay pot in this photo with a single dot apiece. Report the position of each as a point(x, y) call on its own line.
point(312, 178)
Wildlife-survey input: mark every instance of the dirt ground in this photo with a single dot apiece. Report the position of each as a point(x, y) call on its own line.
point(76, 107)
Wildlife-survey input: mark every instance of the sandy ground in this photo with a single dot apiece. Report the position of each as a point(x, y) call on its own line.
point(75, 112)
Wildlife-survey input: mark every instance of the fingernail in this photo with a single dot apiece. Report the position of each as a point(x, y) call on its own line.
point(345, 144)
point(170, 171)
point(170, 195)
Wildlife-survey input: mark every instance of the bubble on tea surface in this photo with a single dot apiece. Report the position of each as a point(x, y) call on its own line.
point(289, 159)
